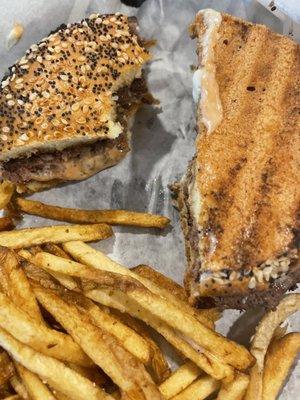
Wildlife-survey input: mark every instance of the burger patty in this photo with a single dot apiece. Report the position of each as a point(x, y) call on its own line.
point(81, 161)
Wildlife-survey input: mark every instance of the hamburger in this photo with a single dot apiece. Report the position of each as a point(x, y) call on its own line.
point(66, 105)
point(239, 199)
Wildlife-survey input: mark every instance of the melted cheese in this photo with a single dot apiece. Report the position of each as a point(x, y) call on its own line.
point(205, 86)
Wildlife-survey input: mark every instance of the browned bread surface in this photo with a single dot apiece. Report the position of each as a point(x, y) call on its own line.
point(247, 169)
point(63, 91)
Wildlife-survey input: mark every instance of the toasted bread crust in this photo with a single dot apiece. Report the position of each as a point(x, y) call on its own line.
point(246, 172)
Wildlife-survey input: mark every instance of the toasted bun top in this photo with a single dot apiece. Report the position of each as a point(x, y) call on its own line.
point(63, 91)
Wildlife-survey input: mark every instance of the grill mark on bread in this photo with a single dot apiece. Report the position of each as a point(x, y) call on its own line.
point(232, 208)
point(258, 74)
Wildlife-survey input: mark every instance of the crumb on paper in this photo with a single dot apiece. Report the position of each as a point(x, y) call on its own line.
point(15, 35)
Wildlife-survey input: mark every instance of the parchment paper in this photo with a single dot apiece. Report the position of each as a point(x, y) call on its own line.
point(162, 141)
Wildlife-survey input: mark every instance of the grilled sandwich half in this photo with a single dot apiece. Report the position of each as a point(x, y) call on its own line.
point(239, 200)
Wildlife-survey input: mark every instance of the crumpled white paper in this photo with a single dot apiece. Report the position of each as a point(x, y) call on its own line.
point(163, 137)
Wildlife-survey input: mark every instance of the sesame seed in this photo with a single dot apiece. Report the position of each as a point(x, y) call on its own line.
point(23, 61)
point(252, 283)
point(46, 94)
point(39, 59)
point(81, 120)
point(10, 103)
point(21, 102)
point(9, 96)
point(81, 58)
point(121, 59)
point(24, 137)
point(75, 106)
point(105, 22)
point(5, 129)
point(64, 45)
point(85, 109)
point(64, 121)
point(64, 77)
point(24, 67)
point(98, 20)
point(55, 122)
point(4, 138)
point(44, 125)
point(93, 16)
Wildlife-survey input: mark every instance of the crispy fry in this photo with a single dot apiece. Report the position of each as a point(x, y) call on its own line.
point(6, 368)
point(278, 362)
point(23, 238)
point(15, 285)
point(37, 274)
point(200, 389)
point(111, 217)
point(121, 302)
point(53, 371)
point(165, 283)
point(39, 337)
point(7, 189)
point(124, 369)
point(234, 390)
point(94, 374)
point(6, 224)
point(95, 259)
point(159, 367)
point(130, 340)
point(262, 338)
point(211, 343)
point(117, 299)
point(36, 389)
point(56, 250)
point(19, 387)
point(183, 377)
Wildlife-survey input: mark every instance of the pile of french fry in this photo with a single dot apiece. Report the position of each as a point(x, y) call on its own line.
point(74, 324)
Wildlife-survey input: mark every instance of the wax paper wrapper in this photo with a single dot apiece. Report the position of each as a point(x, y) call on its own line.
point(163, 136)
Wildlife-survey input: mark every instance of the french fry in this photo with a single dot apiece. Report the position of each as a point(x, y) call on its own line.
point(15, 284)
point(183, 377)
point(38, 336)
point(23, 238)
point(6, 224)
point(159, 366)
point(279, 359)
point(13, 397)
point(130, 340)
point(38, 275)
point(95, 259)
point(19, 387)
point(262, 338)
point(111, 217)
point(6, 368)
point(165, 283)
point(117, 299)
point(121, 302)
point(56, 250)
point(236, 389)
point(124, 369)
point(7, 189)
point(94, 374)
point(211, 343)
point(200, 389)
point(36, 389)
point(51, 370)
